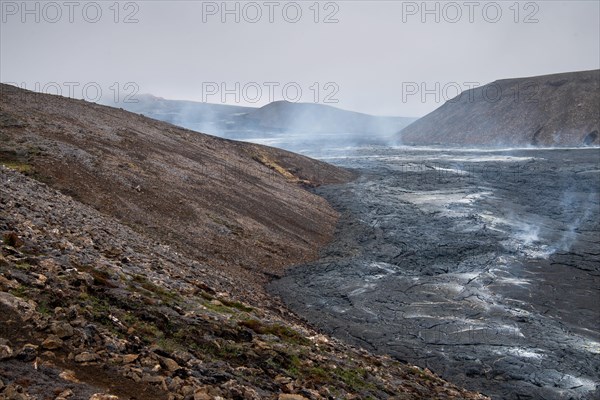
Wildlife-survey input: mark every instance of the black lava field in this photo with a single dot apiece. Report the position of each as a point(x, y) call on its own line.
point(482, 265)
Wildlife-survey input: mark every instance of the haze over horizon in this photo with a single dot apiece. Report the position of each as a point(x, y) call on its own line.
point(382, 58)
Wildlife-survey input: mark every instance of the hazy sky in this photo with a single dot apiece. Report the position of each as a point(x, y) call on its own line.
point(382, 57)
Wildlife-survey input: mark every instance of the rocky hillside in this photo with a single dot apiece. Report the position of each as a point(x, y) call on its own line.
point(103, 296)
point(90, 307)
point(550, 110)
point(237, 207)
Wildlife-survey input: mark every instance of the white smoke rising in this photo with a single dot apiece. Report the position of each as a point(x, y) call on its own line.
point(307, 128)
point(582, 211)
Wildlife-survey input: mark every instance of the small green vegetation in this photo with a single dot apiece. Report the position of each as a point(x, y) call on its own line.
point(18, 166)
point(317, 374)
point(23, 266)
point(15, 158)
point(147, 330)
point(281, 331)
point(225, 306)
point(99, 308)
point(169, 345)
point(356, 379)
point(43, 308)
point(206, 295)
point(223, 350)
point(21, 292)
point(295, 366)
point(163, 294)
point(237, 305)
point(230, 350)
point(272, 164)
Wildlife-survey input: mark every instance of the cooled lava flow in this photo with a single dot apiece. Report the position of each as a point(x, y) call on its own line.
point(481, 265)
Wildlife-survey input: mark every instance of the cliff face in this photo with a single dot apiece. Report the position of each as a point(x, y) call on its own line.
point(237, 207)
point(550, 110)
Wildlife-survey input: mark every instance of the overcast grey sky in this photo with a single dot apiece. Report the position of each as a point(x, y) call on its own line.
point(381, 57)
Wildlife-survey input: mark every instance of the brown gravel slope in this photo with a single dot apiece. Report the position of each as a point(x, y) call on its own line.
point(90, 309)
point(549, 110)
point(235, 206)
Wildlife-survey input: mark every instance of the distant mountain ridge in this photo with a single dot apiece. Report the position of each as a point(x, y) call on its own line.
point(315, 118)
point(201, 117)
point(276, 118)
point(549, 110)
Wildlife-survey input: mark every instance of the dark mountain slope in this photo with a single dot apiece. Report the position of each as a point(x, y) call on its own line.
point(551, 110)
point(233, 205)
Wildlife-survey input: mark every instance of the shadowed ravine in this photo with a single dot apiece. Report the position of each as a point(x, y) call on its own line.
point(483, 266)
